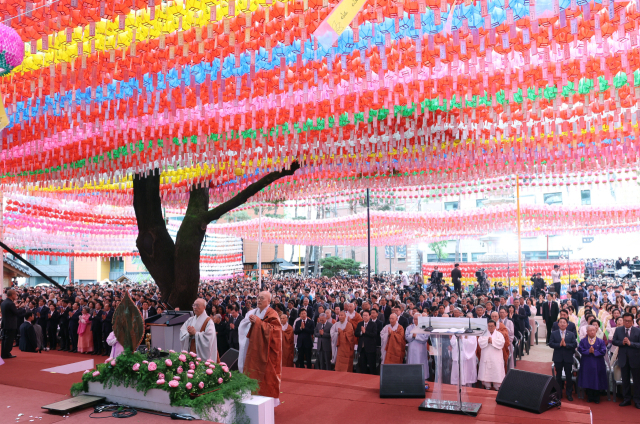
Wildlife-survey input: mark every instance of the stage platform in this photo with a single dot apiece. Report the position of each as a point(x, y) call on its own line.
point(311, 396)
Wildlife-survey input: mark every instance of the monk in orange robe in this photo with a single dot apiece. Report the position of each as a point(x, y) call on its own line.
point(354, 318)
point(393, 342)
point(260, 337)
point(287, 342)
point(342, 337)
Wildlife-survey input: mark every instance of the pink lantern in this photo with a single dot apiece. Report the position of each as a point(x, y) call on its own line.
point(11, 49)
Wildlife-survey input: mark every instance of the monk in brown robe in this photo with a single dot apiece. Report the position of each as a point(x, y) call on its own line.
point(262, 331)
point(393, 342)
point(287, 342)
point(342, 336)
point(354, 318)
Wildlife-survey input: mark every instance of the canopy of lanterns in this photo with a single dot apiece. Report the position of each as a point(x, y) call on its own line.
point(216, 91)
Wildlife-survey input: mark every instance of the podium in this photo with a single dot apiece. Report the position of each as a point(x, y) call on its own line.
point(165, 329)
point(458, 327)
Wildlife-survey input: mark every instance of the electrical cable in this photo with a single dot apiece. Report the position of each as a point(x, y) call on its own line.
point(123, 411)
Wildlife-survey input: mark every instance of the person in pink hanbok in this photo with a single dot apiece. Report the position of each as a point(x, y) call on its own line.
point(85, 336)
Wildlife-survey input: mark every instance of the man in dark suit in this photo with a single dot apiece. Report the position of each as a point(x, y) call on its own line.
point(222, 334)
point(306, 307)
point(571, 327)
point(107, 326)
point(385, 310)
point(550, 313)
point(402, 320)
point(379, 321)
point(456, 276)
point(28, 341)
point(234, 321)
point(322, 333)
point(64, 325)
point(10, 315)
point(304, 330)
point(292, 312)
point(366, 331)
point(42, 315)
point(627, 338)
point(74, 322)
point(564, 344)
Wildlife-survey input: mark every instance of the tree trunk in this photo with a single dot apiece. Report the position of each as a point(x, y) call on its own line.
point(175, 267)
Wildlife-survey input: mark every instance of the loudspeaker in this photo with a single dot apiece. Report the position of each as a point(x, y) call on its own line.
point(230, 358)
point(401, 381)
point(529, 391)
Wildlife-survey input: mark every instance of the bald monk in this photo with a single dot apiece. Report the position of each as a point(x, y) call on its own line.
point(342, 337)
point(353, 317)
point(495, 316)
point(393, 342)
point(287, 342)
point(260, 339)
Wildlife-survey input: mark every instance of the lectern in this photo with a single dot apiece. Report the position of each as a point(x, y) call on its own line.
point(446, 327)
point(165, 329)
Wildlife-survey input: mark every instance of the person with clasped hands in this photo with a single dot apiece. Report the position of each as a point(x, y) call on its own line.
point(563, 343)
point(627, 338)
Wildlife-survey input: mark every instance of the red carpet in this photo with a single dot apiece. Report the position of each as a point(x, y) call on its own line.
point(308, 395)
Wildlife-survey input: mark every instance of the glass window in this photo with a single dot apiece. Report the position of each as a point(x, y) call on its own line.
point(116, 265)
point(451, 206)
point(585, 196)
point(475, 257)
point(402, 259)
point(553, 198)
point(480, 203)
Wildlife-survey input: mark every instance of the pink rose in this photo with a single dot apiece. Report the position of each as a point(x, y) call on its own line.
point(184, 351)
point(87, 372)
point(113, 363)
point(198, 359)
point(192, 366)
point(223, 364)
point(179, 370)
point(96, 373)
point(182, 358)
point(145, 362)
point(152, 366)
point(172, 351)
point(189, 386)
point(192, 354)
point(160, 382)
point(225, 369)
point(209, 371)
point(213, 367)
point(220, 381)
point(176, 378)
point(161, 376)
point(189, 375)
point(201, 385)
point(197, 363)
point(136, 367)
point(109, 359)
point(168, 362)
point(229, 373)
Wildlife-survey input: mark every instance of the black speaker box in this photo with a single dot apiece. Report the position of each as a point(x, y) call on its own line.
point(401, 381)
point(230, 358)
point(529, 391)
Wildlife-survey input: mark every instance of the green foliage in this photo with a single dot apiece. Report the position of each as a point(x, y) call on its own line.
point(333, 265)
point(233, 386)
point(438, 247)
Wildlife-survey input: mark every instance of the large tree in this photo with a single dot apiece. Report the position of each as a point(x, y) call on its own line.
point(175, 267)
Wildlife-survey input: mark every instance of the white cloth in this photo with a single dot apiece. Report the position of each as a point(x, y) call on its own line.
point(417, 353)
point(508, 324)
point(116, 348)
point(384, 335)
point(469, 360)
point(206, 344)
point(334, 338)
point(491, 369)
point(555, 276)
point(243, 330)
point(405, 280)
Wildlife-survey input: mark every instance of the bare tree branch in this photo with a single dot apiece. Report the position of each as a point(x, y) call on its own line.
point(245, 194)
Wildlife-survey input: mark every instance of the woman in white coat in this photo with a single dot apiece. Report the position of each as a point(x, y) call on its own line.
point(417, 344)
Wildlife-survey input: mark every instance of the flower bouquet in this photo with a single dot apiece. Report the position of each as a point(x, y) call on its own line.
point(190, 381)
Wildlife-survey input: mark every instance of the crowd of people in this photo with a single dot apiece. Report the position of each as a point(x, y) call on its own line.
point(345, 325)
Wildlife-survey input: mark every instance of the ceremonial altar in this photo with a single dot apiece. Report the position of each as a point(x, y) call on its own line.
point(172, 381)
point(441, 328)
